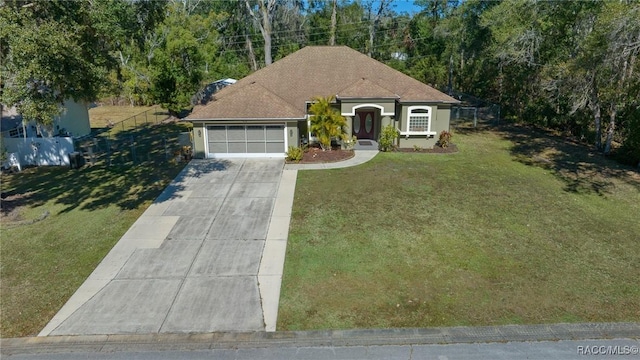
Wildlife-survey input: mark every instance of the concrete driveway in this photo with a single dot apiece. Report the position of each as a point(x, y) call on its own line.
point(206, 256)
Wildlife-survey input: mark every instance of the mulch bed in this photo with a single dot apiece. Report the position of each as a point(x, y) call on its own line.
point(316, 155)
point(452, 148)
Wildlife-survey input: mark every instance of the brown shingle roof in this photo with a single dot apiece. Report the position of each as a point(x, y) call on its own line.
point(283, 88)
point(251, 101)
point(364, 88)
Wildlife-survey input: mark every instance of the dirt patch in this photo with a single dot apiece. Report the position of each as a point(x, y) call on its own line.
point(11, 214)
point(436, 150)
point(316, 155)
point(11, 204)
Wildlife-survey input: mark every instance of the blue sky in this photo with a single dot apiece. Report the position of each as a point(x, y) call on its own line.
point(405, 6)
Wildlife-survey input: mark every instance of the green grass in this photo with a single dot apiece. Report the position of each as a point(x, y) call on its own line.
point(46, 258)
point(114, 116)
point(515, 228)
point(102, 115)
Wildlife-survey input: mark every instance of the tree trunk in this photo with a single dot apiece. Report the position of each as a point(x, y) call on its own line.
point(373, 25)
point(252, 54)
point(611, 129)
point(500, 83)
point(332, 40)
point(372, 31)
point(450, 85)
point(265, 29)
point(263, 20)
point(595, 107)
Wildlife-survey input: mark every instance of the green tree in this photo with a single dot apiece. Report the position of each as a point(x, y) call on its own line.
point(176, 58)
point(426, 47)
point(56, 50)
point(471, 68)
point(620, 79)
point(351, 27)
point(326, 121)
point(177, 65)
point(51, 51)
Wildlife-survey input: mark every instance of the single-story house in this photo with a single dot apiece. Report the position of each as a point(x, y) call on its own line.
point(267, 111)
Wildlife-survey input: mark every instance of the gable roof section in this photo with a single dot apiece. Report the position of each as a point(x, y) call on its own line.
point(365, 88)
point(283, 88)
point(248, 102)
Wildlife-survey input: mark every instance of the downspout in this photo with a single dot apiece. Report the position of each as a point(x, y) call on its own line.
point(308, 129)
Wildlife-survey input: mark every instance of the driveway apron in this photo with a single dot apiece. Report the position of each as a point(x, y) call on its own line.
point(198, 260)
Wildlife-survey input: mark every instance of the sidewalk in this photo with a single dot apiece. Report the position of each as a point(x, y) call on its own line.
point(360, 157)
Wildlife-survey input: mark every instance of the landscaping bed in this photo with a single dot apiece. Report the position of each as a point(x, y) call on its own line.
point(316, 155)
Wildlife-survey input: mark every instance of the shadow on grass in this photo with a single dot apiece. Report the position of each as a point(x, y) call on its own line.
point(467, 128)
point(93, 187)
point(582, 169)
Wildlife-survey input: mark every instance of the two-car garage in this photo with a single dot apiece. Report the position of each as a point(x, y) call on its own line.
point(246, 140)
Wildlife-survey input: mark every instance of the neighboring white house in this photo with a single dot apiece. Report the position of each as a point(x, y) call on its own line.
point(30, 144)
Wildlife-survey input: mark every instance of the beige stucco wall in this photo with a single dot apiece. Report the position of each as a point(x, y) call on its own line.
point(444, 117)
point(199, 130)
point(293, 137)
point(385, 121)
point(349, 127)
point(440, 119)
point(346, 106)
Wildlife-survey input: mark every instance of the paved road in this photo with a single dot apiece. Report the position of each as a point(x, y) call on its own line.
point(544, 350)
point(544, 341)
point(206, 256)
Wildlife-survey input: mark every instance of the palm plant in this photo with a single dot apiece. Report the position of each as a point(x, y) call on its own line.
point(326, 121)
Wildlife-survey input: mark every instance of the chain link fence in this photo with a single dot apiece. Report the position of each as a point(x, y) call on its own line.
point(474, 112)
point(150, 136)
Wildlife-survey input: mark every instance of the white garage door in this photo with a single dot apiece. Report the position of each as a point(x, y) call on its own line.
point(250, 140)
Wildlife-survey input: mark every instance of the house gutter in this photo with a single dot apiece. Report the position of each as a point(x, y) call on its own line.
point(369, 98)
point(246, 119)
point(429, 101)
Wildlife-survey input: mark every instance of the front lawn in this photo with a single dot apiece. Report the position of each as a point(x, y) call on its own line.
point(57, 224)
point(517, 228)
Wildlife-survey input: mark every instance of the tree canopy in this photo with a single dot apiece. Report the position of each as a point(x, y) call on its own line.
point(567, 65)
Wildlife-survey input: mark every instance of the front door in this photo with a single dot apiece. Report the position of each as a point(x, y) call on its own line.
point(363, 124)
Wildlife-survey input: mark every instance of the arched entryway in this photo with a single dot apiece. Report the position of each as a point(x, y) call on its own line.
point(367, 119)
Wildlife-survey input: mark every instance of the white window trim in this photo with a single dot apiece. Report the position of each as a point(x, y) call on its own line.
point(410, 110)
point(359, 106)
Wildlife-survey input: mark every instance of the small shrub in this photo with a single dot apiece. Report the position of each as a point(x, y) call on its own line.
point(417, 148)
point(388, 137)
point(348, 141)
point(445, 139)
point(294, 154)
